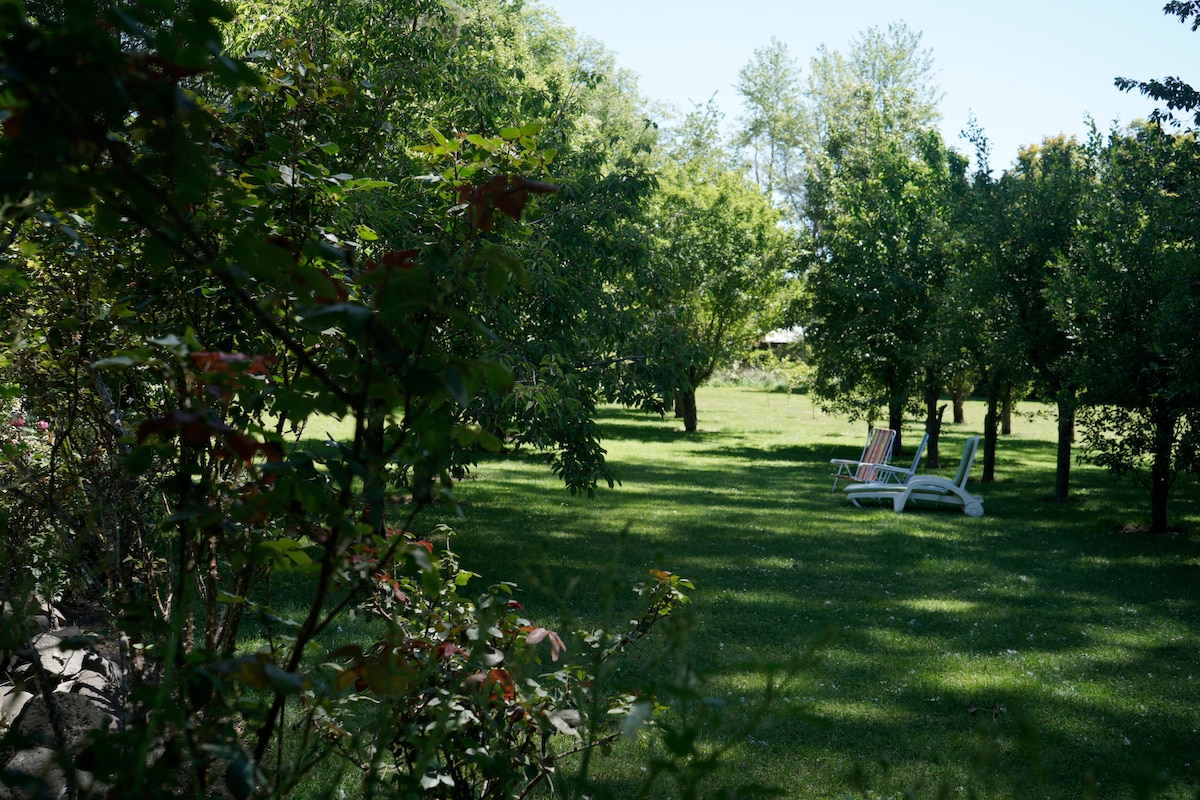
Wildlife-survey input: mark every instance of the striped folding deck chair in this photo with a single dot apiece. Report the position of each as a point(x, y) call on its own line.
point(878, 451)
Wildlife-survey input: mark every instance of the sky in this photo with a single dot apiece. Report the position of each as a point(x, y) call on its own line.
point(1025, 69)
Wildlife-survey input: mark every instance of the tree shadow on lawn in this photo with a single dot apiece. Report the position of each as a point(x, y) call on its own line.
point(929, 627)
point(1045, 615)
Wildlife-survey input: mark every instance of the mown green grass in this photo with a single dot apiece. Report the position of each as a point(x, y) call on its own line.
point(1038, 651)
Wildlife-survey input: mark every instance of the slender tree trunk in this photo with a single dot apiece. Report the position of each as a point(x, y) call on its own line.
point(1160, 469)
point(933, 419)
point(895, 410)
point(896, 422)
point(1006, 410)
point(1066, 435)
point(991, 425)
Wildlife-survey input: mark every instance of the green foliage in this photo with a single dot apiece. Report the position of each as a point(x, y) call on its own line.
point(216, 257)
point(1019, 228)
point(723, 261)
point(1174, 91)
point(884, 251)
point(774, 128)
point(1129, 297)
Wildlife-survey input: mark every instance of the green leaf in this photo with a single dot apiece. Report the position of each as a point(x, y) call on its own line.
point(489, 145)
point(452, 379)
point(114, 361)
point(239, 778)
point(431, 582)
point(139, 460)
point(352, 318)
point(283, 681)
point(497, 278)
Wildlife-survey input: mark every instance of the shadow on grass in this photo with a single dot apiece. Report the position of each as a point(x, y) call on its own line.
point(1033, 640)
point(1015, 654)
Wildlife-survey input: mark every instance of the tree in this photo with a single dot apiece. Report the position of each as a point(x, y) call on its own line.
point(1130, 295)
point(170, 184)
point(721, 259)
point(577, 336)
point(1025, 224)
point(788, 123)
point(1176, 93)
point(879, 189)
point(773, 128)
point(848, 152)
point(882, 254)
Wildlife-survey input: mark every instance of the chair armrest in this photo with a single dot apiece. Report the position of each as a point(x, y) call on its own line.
point(932, 482)
point(892, 468)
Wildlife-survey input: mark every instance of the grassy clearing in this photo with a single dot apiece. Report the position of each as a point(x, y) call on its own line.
point(1034, 652)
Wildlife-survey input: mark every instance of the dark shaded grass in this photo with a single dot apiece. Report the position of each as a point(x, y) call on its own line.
point(1029, 652)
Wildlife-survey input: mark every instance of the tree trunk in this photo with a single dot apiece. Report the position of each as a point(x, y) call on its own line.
point(1066, 435)
point(991, 432)
point(1006, 410)
point(933, 419)
point(686, 400)
point(1160, 469)
point(959, 390)
point(896, 422)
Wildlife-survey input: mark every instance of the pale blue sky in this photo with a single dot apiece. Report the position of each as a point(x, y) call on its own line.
point(1026, 68)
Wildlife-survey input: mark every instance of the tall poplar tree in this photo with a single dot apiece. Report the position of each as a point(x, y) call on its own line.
point(879, 194)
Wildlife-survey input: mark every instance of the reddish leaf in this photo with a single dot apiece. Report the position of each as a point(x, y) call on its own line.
point(447, 649)
point(11, 127)
point(508, 196)
point(285, 243)
point(498, 677)
point(242, 446)
point(400, 259)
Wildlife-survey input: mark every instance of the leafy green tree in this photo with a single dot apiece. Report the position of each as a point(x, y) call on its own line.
point(721, 260)
point(580, 336)
point(1025, 224)
point(1130, 297)
point(881, 198)
point(850, 151)
point(788, 122)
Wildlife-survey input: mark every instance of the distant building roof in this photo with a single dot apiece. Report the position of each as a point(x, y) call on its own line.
point(785, 336)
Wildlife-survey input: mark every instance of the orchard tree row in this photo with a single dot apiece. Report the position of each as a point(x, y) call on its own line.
point(1074, 275)
point(456, 226)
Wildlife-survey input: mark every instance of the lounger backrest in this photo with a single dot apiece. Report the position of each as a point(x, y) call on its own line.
point(878, 451)
point(920, 452)
point(968, 458)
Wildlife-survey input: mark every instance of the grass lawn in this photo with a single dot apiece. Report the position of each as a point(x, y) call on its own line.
point(1040, 651)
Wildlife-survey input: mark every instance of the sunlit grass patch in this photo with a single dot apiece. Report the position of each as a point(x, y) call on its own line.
point(1020, 654)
